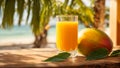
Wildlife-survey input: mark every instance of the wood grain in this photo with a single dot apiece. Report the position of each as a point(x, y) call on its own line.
point(33, 58)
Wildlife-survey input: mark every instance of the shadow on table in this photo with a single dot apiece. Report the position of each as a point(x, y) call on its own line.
point(15, 60)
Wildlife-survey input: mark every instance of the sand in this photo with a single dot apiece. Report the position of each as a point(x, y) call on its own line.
point(22, 43)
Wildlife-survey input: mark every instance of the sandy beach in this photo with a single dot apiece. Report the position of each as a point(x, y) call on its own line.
point(22, 43)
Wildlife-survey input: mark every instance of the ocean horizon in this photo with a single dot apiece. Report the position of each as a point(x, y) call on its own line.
point(23, 34)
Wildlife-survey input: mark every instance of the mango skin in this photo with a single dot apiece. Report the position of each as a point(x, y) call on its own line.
point(92, 39)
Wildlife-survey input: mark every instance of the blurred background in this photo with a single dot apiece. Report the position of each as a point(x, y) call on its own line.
point(31, 23)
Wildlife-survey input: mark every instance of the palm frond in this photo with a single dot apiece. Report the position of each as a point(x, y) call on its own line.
point(45, 13)
point(87, 13)
point(64, 7)
point(0, 3)
point(29, 7)
point(42, 10)
point(72, 4)
point(35, 22)
point(8, 15)
point(65, 3)
point(20, 9)
point(92, 3)
point(58, 8)
point(61, 7)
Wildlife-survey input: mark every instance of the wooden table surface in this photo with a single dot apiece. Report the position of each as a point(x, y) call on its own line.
point(33, 58)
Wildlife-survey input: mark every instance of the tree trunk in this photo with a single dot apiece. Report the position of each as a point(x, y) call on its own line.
point(99, 16)
point(40, 40)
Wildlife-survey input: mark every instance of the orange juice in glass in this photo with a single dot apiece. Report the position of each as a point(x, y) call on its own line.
point(66, 33)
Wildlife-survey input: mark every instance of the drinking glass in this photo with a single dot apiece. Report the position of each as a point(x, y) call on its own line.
point(67, 33)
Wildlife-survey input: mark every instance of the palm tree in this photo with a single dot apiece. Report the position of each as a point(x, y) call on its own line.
point(41, 11)
point(99, 16)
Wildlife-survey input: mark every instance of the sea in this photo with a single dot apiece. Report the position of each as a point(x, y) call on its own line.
point(23, 34)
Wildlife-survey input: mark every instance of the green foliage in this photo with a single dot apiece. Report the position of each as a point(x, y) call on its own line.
point(107, 13)
point(20, 9)
point(42, 10)
point(28, 10)
point(58, 58)
point(45, 13)
point(35, 23)
point(76, 7)
point(98, 54)
point(1, 3)
point(86, 14)
point(115, 53)
point(8, 15)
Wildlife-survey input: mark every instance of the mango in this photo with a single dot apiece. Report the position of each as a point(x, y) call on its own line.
point(91, 39)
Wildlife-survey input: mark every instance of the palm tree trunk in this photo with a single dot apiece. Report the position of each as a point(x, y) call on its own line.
point(99, 17)
point(40, 40)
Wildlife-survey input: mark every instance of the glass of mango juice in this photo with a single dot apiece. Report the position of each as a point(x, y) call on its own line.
point(67, 33)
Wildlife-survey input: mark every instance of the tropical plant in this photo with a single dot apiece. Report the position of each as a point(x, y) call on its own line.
point(99, 16)
point(41, 11)
point(77, 7)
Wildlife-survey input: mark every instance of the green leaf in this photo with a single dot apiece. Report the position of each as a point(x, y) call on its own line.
point(98, 54)
point(35, 21)
point(28, 10)
point(115, 53)
point(1, 1)
point(8, 15)
point(57, 58)
point(20, 9)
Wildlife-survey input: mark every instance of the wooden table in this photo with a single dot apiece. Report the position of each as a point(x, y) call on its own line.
point(33, 58)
